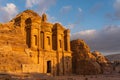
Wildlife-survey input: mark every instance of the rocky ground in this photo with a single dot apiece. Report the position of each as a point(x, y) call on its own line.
point(36, 76)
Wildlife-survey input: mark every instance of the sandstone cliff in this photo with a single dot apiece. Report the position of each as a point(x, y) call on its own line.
point(13, 44)
point(12, 50)
point(85, 62)
point(103, 62)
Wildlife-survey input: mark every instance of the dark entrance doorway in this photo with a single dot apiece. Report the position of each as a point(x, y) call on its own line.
point(48, 66)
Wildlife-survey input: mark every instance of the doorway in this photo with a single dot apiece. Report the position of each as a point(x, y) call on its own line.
point(48, 66)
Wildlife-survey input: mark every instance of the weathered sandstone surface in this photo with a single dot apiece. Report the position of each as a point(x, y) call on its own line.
point(29, 43)
point(13, 48)
point(86, 62)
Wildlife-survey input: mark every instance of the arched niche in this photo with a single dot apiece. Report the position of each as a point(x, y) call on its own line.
point(42, 39)
point(28, 23)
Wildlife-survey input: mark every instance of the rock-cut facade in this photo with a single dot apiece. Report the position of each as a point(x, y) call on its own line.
point(48, 44)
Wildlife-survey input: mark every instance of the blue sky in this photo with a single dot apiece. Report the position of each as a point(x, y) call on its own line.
point(95, 21)
point(81, 14)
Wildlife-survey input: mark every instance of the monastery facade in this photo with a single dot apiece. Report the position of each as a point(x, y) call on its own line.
point(49, 43)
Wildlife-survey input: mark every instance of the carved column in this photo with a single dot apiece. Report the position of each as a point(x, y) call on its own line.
point(32, 39)
point(45, 41)
point(68, 39)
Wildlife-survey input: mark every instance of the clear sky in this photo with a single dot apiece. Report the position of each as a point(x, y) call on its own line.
point(95, 21)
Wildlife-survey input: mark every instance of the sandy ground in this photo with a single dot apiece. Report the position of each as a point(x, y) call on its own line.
point(36, 76)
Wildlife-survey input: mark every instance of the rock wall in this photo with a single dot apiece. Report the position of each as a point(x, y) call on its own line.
point(31, 68)
point(32, 40)
point(106, 66)
point(86, 62)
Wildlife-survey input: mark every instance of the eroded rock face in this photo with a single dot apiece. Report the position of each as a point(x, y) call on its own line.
point(88, 67)
point(99, 57)
point(117, 68)
point(85, 62)
point(13, 43)
point(105, 64)
point(10, 61)
point(81, 49)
